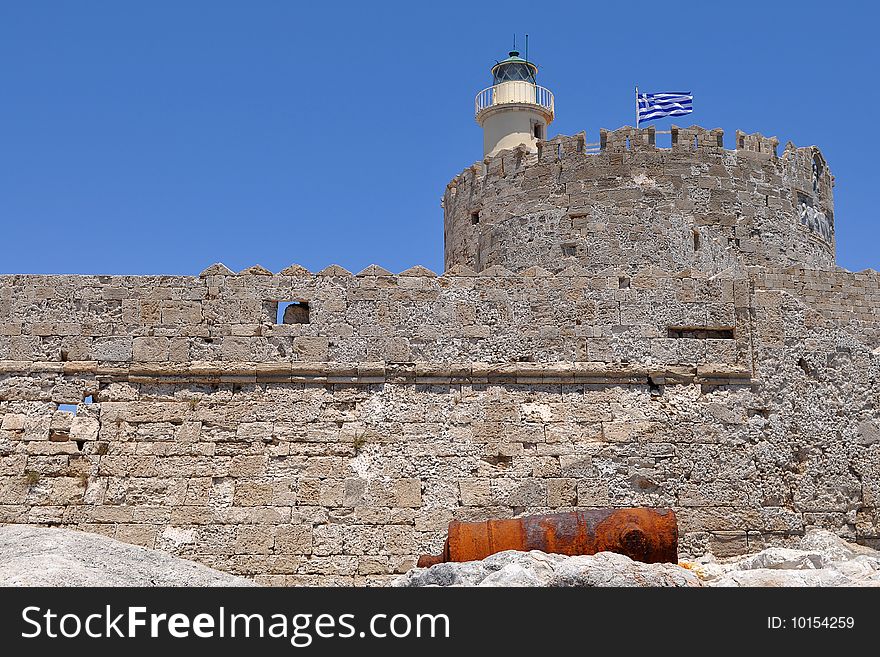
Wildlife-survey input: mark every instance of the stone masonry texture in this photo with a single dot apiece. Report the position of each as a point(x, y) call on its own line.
point(695, 347)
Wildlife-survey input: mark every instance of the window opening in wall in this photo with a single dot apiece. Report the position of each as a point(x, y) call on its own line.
point(569, 249)
point(72, 408)
point(539, 131)
point(292, 312)
point(475, 217)
point(623, 282)
point(696, 240)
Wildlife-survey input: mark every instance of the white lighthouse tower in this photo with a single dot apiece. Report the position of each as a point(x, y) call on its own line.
point(514, 110)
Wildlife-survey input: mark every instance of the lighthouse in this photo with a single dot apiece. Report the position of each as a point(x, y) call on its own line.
point(514, 111)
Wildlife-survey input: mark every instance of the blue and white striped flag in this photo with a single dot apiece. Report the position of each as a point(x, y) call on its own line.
point(669, 103)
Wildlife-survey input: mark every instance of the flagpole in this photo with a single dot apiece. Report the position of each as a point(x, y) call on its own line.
point(637, 107)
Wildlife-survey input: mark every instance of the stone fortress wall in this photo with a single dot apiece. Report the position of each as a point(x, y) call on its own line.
point(335, 449)
point(632, 204)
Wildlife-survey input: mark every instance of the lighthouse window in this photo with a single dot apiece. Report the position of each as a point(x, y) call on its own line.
point(539, 131)
point(513, 72)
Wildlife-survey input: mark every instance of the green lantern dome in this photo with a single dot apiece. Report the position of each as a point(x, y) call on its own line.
point(514, 68)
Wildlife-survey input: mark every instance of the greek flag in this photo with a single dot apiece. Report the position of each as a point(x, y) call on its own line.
point(669, 103)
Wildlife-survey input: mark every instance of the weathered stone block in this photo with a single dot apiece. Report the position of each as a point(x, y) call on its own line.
point(311, 348)
point(151, 349)
point(475, 492)
point(143, 535)
point(408, 492)
point(293, 539)
point(112, 349)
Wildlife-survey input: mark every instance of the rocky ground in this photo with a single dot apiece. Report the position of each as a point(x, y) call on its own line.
point(821, 559)
point(38, 556)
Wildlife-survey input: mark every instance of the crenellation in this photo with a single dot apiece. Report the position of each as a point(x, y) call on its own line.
point(709, 208)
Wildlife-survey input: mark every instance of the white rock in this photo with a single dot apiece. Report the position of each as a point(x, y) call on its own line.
point(780, 558)
point(513, 574)
point(610, 569)
point(775, 577)
point(861, 568)
point(39, 556)
point(830, 545)
point(469, 573)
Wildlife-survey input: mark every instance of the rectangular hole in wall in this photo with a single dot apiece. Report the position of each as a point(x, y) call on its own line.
point(72, 408)
point(475, 217)
point(702, 332)
point(293, 312)
point(569, 250)
point(696, 240)
point(804, 199)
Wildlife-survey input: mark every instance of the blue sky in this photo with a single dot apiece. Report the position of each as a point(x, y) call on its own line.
point(159, 137)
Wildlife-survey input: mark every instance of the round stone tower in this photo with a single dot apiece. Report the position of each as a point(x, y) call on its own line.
point(624, 201)
point(629, 203)
point(514, 111)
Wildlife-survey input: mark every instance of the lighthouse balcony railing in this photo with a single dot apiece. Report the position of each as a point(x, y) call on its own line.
point(514, 92)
